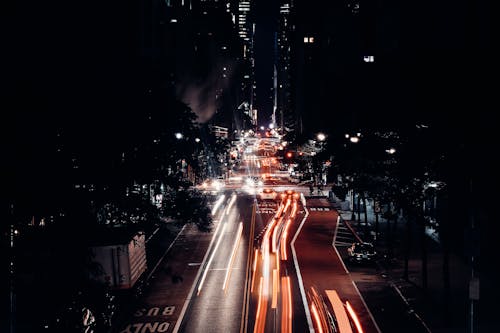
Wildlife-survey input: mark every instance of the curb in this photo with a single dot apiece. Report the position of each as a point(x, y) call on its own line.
point(391, 281)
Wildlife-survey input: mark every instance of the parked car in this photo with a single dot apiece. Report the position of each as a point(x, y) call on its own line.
point(361, 252)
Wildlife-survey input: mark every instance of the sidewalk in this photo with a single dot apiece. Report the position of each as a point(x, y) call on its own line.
point(161, 302)
point(440, 312)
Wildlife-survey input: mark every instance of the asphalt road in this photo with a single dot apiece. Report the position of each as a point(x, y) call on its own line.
point(217, 304)
point(320, 265)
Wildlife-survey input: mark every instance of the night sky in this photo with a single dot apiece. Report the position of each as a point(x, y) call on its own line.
point(266, 16)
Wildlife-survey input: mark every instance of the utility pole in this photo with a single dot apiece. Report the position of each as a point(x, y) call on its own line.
point(474, 244)
point(12, 273)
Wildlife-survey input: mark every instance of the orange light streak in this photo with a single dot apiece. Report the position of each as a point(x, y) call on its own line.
point(274, 240)
point(316, 318)
point(260, 318)
point(339, 311)
point(254, 269)
point(287, 205)
point(256, 255)
point(277, 261)
point(354, 317)
point(274, 302)
point(283, 240)
point(286, 303)
point(294, 209)
point(280, 210)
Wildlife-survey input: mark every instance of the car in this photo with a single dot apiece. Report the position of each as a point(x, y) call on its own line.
point(268, 194)
point(361, 252)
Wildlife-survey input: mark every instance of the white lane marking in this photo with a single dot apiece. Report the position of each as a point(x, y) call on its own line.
point(191, 291)
point(211, 258)
point(335, 248)
point(168, 250)
point(366, 307)
point(230, 263)
point(299, 276)
point(354, 284)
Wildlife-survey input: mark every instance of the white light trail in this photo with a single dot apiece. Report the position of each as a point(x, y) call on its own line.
point(218, 203)
point(211, 258)
point(231, 259)
point(231, 203)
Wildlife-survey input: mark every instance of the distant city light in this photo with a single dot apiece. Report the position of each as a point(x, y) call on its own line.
point(271, 126)
point(347, 136)
point(173, 20)
point(178, 136)
point(354, 139)
point(197, 140)
point(308, 40)
point(390, 151)
point(262, 128)
point(369, 59)
point(321, 137)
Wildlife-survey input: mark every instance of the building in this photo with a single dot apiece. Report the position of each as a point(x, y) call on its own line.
point(284, 112)
point(219, 131)
point(122, 256)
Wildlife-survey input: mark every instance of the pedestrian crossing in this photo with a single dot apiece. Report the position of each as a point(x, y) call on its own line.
point(343, 236)
point(319, 209)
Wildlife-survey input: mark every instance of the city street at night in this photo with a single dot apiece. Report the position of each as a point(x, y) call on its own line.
point(249, 166)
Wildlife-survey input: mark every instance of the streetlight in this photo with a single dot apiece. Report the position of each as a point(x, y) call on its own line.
point(321, 137)
point(354, 139)
point(197, 140)
point(178, 136)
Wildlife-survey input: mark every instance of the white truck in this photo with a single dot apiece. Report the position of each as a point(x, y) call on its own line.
point(123, 260)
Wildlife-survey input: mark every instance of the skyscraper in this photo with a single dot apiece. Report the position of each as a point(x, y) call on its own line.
point(246, 31)
point(286, 119)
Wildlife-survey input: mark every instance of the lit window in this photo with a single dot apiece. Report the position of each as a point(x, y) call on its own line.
point(369, 59)
point(306, 39)
point(311, 39)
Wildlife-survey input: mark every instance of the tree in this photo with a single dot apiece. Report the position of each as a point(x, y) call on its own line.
point(188, 206)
